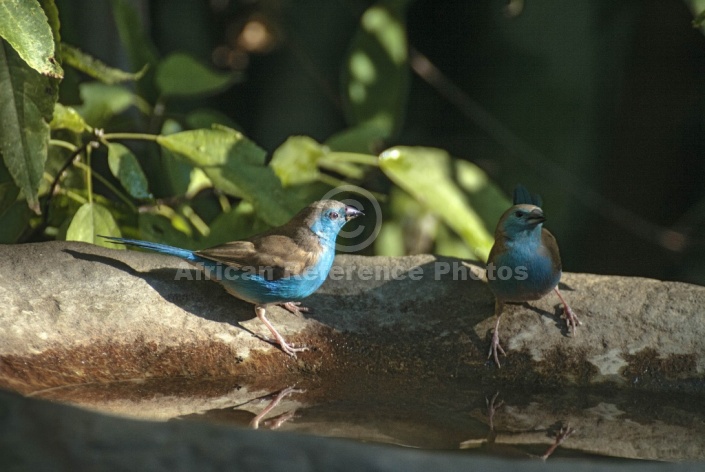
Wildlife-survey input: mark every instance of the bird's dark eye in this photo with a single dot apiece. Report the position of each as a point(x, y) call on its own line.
point(519, 214)
point(333, 215)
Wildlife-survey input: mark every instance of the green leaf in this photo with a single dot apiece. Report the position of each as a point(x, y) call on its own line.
point(295, 161)
point(214, 147)
point(125, 167)
point(101, 102)
point(347, 163)
point(52, 13)
point(238, 223)
point(68, 118)
point(182, 75)
point(13, 222)
point(700, 17)
point(390, 240)
point(487, 198)
point(24, 25)
point(26, 104)
point(182, 177)
point(97, 69)
point(298, 160)
point(176, 172)
point(167, 230)
point(206, 118)
point(138, 45)
point(426, 174)
point(8, 190)
point(91, 220)
point(376, 76)
point(235, 165)
point(198, 180)
point(366, 138)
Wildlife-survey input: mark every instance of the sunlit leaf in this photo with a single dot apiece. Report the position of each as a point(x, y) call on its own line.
point(390, 241)
point(448, 243)
point(295, 161)
point(125, 167)
point(376, 75)
point(298, 160)
point(198, 180)
point(413, 226)
point(347, 164)
point(182, 75)
point(426, 174)
point(26, 104)
point(68, 118)
point(24, 25)
point(91, 220)
point(488, 200)
point(97, 69)
point(235, 165)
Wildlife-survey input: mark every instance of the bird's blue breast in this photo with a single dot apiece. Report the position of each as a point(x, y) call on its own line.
point(259, 289)
point(531, 270)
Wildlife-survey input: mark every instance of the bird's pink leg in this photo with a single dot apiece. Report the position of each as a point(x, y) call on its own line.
point(494, 345)
point(278, 338)
point(294, 307)
point(571, 319)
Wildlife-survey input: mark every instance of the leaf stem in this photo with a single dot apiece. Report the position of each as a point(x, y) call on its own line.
point(352, 157)
point(110, 186)
point(64, 144)
point(133, 136)
point(89, 174)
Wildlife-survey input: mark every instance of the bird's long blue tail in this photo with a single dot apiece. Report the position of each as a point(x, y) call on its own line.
point(156, 247)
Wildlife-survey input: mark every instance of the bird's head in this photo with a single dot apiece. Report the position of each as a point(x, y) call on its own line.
point(327, 217)
point(520, 218)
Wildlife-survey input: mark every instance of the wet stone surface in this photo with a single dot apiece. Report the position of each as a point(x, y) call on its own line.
point(451, 416)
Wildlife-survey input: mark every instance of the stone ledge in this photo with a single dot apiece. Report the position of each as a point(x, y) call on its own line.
point(77, 313)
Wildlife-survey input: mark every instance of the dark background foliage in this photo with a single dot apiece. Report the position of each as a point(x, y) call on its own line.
point(596, 105)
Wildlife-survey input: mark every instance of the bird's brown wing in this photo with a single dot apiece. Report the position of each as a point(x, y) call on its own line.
point(273, 255)
point(549, 242)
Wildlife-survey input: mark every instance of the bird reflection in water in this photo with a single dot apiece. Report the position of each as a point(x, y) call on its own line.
point(238, 415)
point(559, 432)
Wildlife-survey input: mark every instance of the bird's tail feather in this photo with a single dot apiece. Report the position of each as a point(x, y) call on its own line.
point(522, 195)
point(156, 247)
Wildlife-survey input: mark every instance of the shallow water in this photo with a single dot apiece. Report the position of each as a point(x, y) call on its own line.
point(449, 415)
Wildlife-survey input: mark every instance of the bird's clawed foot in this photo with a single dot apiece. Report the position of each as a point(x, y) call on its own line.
point(288, 348)
point(278, 338)
point(495, 347)
point(295, 307)
point(571, 320)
